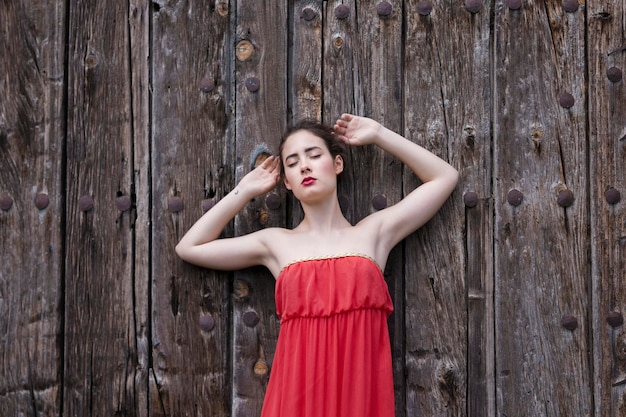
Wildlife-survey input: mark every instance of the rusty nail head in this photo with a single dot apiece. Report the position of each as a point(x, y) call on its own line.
point(342, 11)
point(514, 4)
point(207, 84)
point(308, 14)
point(470, 199)
point(424, 8)
point(614, 74)
point(379, 202)
point(123, 203)
point(42, 201)
point(6, 202)
point(253, 84)
point(473, 6)
point(207, 323)
point(207, 204)
point(569, 322)
point(566, 100)
point(175, 204)
point(570, 5)
point(384, 9)
point(250, 318)
point(272, 201)
point(85, 203)
point(615, 319)
point(612, 196)
point(515, 197)
point(565, 198)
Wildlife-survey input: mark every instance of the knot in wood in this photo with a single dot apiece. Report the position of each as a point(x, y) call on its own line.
point(261, 367)
point(241, 289)
point(222, 8)
point(41, 201)
point(244, 50)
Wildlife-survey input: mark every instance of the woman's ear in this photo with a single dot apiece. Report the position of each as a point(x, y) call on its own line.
point(338, 164)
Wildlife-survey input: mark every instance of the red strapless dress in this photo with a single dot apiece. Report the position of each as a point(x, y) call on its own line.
point(333, 356)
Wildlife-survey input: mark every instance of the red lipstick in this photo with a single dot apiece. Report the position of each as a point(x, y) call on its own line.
point(308, 181)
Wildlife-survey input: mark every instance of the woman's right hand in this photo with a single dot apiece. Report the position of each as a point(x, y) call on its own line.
point(261, 179)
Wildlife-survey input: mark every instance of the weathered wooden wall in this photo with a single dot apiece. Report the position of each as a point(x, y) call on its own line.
point(121, 123)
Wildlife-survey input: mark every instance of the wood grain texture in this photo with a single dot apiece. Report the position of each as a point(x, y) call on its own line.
point(192, 161)
point(260, 116)
point(436, 311)
point(100, 350)
point(607, 144)
point(540, 247)
point(31, 248)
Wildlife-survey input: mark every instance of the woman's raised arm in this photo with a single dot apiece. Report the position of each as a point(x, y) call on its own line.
point(201, 246)
point(438, 177)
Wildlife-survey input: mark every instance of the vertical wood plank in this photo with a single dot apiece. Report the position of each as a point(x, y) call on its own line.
point(261, 89)
point(139, 33)
point(31, 207)
point(376, 175)
point(541, 246)
point(192, 154)
point(434, 117)
point(100, 351)
point(607, 127)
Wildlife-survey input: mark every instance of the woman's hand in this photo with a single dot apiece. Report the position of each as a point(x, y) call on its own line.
point(357, 131)
point(261, 179)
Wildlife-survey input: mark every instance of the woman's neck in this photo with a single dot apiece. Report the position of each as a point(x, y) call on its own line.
point(323, 217)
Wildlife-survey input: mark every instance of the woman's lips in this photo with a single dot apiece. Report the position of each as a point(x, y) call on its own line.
point(308, 181)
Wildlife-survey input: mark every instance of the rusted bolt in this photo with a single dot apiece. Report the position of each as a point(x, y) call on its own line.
point(272, 201)
point(565, 198)
point(566, 100)
point(42, 201)
point(207, 323)
point(253, 84)
point(424, 8)
point(308, 14)
point(514, 4)
point(570, 5)
point(615, 319)
point(175, 204)
point(379, 202)
point(569, 322)
point(244, 50)
point(250, 318)
point(222, 8)
point(85, 203)
point(260, 367)
point(612, 196)
point(241, 289)
point(614, 74)
point(6, 202)
point(384, 9)
point(207, 84)
point(470, 199)
point(207, 204)
point(473, 6)
point(515, 197)
point(342, 11)
point(123, 203)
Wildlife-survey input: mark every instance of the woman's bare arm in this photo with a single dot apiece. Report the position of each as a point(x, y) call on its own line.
point(201, 246)
point(438, 178)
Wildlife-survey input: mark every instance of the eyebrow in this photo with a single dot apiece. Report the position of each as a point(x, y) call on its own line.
point(307, 150)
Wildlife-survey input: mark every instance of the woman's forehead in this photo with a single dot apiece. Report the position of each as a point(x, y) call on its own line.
point(301, 140)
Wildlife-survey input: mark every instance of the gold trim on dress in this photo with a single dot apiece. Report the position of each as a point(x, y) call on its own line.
point(343, 255)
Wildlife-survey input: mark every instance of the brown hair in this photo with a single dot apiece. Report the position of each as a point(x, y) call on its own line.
point(335, 146)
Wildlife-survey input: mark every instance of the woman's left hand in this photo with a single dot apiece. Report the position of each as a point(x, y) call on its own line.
point(357, 131)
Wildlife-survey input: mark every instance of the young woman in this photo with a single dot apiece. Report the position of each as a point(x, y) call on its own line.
point(333, 357)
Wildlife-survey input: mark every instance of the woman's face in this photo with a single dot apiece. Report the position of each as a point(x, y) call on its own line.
point(310, 169)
